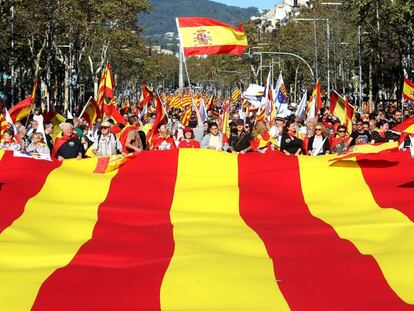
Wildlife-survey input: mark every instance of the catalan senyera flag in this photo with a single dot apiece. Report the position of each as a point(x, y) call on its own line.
point(200, 36)
point(192, 237)
point(186, 100)
point(235, 95)
point(408, 90)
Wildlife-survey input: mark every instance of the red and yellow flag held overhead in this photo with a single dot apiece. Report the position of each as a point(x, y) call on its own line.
point(200, 36)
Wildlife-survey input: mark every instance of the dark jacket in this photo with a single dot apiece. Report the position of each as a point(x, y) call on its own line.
point(239, 143)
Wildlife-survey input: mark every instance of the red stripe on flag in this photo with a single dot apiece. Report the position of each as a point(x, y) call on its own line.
point(315, 269)
point(123, 265)
point(202, 21)
point(391, 180)
point(215, 49)
point(16, 191)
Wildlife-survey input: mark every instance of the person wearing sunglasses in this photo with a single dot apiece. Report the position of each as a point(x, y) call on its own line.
point(338, 143)
point(359, 136)
point(319, 144)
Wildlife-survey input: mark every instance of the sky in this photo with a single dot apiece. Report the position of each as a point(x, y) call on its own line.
point(261, 4)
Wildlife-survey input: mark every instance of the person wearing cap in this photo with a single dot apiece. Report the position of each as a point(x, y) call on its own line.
point(240, 140)
point(69, 145)
point(106, 144)
point(189, 141)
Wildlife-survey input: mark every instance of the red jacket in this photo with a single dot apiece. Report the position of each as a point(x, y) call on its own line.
point(158, 141)
point(191, 144)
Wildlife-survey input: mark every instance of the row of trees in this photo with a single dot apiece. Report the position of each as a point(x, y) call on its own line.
point(376, 36)
point(66, 43)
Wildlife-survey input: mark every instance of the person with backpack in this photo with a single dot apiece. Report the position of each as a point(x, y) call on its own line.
point(106, 144)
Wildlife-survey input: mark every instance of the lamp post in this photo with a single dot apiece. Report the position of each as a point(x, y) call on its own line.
point(328, 38)
point(12, 52)
point(252, 54)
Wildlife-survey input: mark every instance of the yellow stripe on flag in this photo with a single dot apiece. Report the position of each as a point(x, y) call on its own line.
point(1, 154)
point(341, 198)
point(218, 35)
point(219, 263)
point(50, 232)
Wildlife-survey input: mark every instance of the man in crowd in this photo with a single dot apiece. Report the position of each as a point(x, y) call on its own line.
point(130, 139)
point(215, 140)
point(359, 136)
point(240, 140)
point(397, 118)
point(106, 144)
point(69, 145)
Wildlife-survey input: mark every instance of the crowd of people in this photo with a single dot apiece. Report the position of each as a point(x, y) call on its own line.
point(290, 135)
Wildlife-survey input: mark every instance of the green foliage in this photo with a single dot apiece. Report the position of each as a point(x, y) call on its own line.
point(162, 18)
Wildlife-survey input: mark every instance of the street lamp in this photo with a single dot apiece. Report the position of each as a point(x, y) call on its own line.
point(328, 38)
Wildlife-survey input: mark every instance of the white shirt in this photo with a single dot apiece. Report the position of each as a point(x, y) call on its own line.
point(317, 144)
point(215, 142)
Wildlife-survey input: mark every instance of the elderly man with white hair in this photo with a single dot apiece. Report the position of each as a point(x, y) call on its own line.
point(69, 145)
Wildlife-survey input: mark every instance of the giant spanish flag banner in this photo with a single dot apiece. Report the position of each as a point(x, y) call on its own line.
point(200, 35)
point(203, 230)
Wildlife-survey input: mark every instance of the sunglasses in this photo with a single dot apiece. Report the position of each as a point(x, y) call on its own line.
point(341, 131)
point(359, 124)
point(318, 129)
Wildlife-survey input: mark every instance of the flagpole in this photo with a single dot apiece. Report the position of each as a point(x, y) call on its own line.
point(184, 59)
point(84, 108)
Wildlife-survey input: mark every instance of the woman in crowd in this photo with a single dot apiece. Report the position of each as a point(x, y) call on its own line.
point(38, 144)
point(290, 144)
point(319, 143)
point(189, 141)
point(9, 143)
point(382, 135)
point(262, 141)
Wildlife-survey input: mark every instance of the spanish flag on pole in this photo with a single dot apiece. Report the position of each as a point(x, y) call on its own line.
point(201, 36)
point(408, 90)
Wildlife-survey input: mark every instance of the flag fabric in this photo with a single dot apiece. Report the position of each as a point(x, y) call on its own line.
point(350, 114)
point(267, 99)
point(112, 111)
point(203, 111)
point(91, 112)
point(408, 90)
point(22, 109)
point(4, 125)
point(280, 97)
point(210, 103)
point(338, 107)
point(235, 95)
point(407, 126)
point(186, 100)
point(225, 122)
point(146, 96)
point(301, 111)
point(160, 118)
point(185, 118)
point(214, 239)
point(206, 36)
